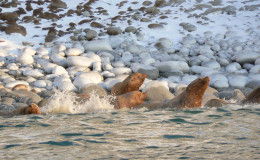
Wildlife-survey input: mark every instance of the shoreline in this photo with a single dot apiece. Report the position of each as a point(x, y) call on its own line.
point(104, 56)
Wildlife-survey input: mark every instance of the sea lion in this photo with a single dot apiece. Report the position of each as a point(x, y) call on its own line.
point(131, 83)
point(129, 100)
point(253, 97)
point(20, 86)
point(191, 97)
point(31, 109)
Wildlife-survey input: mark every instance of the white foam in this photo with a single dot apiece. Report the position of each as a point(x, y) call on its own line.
point(65, 102)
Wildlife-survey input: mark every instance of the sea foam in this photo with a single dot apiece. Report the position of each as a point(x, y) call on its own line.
point(66, 102)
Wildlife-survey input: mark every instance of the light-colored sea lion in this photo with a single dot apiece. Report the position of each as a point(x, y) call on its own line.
point(191, 97)
point(31, 109)
point(20, 87)
point(131, 83)
point(129, 100)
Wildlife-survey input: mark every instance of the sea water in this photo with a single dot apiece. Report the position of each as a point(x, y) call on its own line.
point(94, 130)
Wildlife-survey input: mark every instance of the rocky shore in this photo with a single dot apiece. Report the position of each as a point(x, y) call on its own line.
point(100, 56)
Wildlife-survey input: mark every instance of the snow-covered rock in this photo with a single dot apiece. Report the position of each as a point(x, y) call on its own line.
point(73, 52)
point(248, 57)
point(121, 70)
point(33, 72)
point(97, 45)
point(169, 66)
point(150, 71)
point(14, 83)
point(88, 77)
point(58, 59)
point(79, 61)
point(238, 81)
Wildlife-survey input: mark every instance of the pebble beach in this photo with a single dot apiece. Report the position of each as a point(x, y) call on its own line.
point(51, 51)
point(67, 46)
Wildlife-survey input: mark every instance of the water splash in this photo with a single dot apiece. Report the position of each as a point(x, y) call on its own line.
point(66, 102)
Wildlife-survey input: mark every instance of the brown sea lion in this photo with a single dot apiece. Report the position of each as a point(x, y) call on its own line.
point(253, 97)
point(129, 100)
point(20, 86)
point(191, 97)
point(131, 83)
point(31, 109)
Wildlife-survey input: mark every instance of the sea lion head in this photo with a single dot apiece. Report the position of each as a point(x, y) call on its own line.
point(135, 81)
point(195, 91)
point(32, 109)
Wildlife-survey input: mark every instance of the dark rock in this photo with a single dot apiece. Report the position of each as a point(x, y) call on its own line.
point(155, 26)
point(188, 27)
point(19, 105)
point(9, 16)
point(145, 20)
point(152, 10)
point(58, 4)
point(96, 25)
point(172, 73)
point(28, 19)
point(130, 29)
point(253, 84)
point(114, 30)
point(152, 73)
point(147, 3)
point(84, 21)
point(20, 11)
point(47, 15)
point(90, 34)
point(43, 102)
point(14, 28)
point(207, 97)
point(160, 3)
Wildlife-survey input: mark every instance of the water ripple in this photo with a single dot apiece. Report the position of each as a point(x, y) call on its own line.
point(177, 136)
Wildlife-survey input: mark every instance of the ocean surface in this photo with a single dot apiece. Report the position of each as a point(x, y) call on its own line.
point(232, 132)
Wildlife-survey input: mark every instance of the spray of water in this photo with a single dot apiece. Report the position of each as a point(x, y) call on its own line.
point(66, 102)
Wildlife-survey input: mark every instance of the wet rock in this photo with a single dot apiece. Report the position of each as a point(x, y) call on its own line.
point(216, 103)
point(114, 30)
point(28, 94)
point(93, 88)
point(188, 27)
point(238, 95)
point(14, 28)
point(6, 108)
